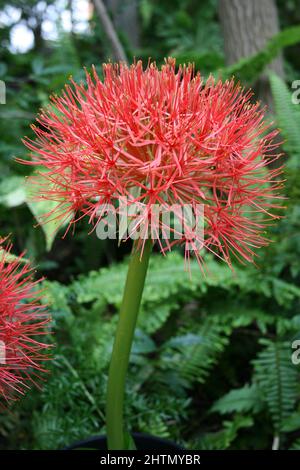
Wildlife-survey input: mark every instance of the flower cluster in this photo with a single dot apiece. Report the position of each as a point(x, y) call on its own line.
point(161, 136)
point(23, 322)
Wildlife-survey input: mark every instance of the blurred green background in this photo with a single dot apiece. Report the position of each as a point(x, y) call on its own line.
point(211, 366)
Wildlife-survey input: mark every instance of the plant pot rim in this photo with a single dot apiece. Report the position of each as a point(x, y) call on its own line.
point(141, 438)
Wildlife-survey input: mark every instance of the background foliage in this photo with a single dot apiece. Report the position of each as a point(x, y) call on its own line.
point(211, 363)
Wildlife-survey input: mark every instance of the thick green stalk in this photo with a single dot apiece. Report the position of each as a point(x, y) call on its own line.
point(122, 346)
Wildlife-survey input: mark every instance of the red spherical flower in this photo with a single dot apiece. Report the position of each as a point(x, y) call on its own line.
point(23, 322)
point(161, 137)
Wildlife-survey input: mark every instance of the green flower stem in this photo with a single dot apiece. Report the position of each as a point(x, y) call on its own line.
point(122, 346)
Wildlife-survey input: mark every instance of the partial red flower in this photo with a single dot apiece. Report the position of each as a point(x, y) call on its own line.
point(161, 136)
point(23, 323)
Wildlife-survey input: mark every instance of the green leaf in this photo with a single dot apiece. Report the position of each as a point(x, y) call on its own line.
point(12, 191)
point(196, 353)
point(278, 379)
point(49, 214)
point(239, 400)
point(288, 118)
point(142, 344)
point(291, 423)
point(146, 10)
point(9, 258)
point(129, 442)
point(222, 439)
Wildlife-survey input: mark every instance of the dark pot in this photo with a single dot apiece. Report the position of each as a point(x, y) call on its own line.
point(142, 442)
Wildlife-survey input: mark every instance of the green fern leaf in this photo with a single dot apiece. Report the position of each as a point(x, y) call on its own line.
point(278, 379)
point(239, 400)
point(288, 118)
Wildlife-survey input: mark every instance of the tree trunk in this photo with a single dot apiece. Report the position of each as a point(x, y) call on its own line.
point(247, 26)
point(107, 24)
point(126, 19)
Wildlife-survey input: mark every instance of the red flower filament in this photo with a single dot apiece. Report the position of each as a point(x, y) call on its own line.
point(161, 136)
point(23, 322)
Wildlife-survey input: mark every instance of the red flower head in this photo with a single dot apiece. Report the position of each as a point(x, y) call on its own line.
point(22, 323)
point(161, 137)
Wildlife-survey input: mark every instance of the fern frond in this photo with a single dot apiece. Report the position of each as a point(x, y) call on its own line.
point(277, 379)
point(240, 400)
point(223, 439)
point(194, 355)
point(288, 118)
